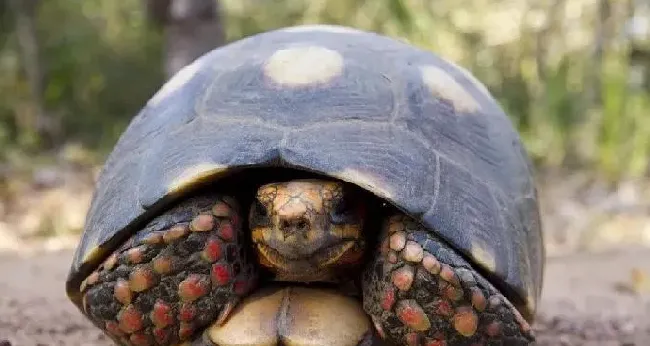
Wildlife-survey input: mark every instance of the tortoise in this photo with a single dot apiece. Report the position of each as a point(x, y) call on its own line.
point(314, 185)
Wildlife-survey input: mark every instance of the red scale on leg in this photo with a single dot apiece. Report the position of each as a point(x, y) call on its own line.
point(212, 250)
point(412, 315)
point(162, 265)
point(447, 273)
point(141, 279)
point(452, 293)
point(202, 223)
point(175, 233)
point(187, 312)
point(193, 287)
point(478, 299)
point(135, 255)
point(221, 209)
point(113, 328)
point(465, 321)
point(403, 277)
point(122, 292)
point(161, 315)
point(220, 274)
point(130, 319)
point(162, 335)
point(226, 231)
point(153, 239)
point(388, 299)
point(185, 331)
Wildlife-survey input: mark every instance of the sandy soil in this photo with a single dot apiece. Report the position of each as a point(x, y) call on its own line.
point(587, 300)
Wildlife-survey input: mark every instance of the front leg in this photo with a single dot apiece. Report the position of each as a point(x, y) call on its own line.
point(418, 291)
point(185, 270)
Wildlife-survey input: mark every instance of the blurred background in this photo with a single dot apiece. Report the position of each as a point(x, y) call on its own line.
point(574, 76)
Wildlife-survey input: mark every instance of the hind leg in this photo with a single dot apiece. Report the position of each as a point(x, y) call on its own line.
point(185, 270)
point(419, 292)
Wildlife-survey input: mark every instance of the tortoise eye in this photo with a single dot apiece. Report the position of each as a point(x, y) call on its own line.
point(258, 214)
point(260, 209)
point(341, 213)
point(341, 207)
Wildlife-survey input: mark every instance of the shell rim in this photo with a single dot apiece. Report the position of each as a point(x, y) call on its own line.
point(76, 276)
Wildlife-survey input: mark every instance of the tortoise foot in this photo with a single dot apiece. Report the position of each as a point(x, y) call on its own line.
point(186, 269)
point(419, 292)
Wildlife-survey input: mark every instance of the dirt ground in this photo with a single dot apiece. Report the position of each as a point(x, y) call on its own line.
point(588, 299)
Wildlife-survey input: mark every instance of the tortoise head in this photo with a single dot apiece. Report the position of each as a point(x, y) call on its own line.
point(307, 230)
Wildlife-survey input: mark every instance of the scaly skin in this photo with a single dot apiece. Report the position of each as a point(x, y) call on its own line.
point(418, 291)
point(185, 270)
point(190, 267)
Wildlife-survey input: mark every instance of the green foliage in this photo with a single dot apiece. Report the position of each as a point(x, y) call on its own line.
point(101, 62)
point(572, 103)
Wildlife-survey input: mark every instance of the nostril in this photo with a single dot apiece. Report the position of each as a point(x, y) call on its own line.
point(294, 225)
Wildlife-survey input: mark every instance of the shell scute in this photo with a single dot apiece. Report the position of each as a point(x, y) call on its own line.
point(247, 95)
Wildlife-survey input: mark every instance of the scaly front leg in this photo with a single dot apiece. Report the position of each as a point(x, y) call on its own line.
point(420, 292)
point(185, 270)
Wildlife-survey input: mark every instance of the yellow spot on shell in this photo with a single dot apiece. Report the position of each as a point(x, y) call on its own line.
point(467, 74)
point(193, 175)
point(177, 81)
point(442, 85)
point(365, 180)
point(337, 29)
point(483, 256)
point(302, 66)
point(94, 254)
point(531, 300)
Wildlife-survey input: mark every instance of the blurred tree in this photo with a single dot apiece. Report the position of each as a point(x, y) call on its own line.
point(191, 28)
point(574, 75)
point(46, 128)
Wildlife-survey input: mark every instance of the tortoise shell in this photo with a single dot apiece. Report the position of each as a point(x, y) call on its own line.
point(412, 128)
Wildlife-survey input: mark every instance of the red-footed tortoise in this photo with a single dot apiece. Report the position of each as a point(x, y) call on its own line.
point(314, 185)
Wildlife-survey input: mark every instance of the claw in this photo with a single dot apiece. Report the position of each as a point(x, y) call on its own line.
point(378, 327)
point(225, 313)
